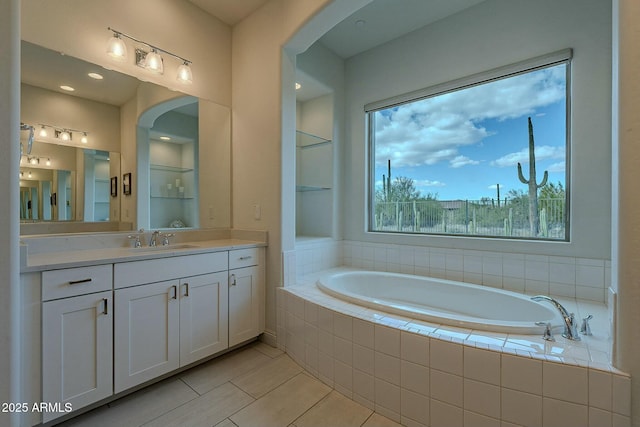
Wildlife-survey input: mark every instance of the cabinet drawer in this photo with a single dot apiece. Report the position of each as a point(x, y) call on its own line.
point(71, 282)
point(243, 258)
point(157, 270)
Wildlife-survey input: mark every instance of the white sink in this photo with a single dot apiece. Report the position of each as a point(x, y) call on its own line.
point(164, 248)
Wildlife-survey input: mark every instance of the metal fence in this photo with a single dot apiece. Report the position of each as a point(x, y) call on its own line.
point(487, 217)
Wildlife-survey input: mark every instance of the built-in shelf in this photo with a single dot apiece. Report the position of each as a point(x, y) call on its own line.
point(167, 168)
point(305, 188)
point(307, 140)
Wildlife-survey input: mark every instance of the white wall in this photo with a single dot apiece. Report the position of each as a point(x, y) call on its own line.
point(492, 34)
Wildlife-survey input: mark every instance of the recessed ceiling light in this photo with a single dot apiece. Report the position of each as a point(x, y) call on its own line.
point(67, 88)
point(360, 23)
point(95, 76)
point(165, 138)
point(298, 85)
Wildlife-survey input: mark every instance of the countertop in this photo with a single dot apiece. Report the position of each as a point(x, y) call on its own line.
point(76, 256)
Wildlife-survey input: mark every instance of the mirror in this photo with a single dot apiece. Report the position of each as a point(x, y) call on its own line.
point(110, 111)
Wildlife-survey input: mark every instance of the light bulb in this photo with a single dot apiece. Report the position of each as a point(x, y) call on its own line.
point(43, 132)
point(153, 62)
point(116, 48)
point(34, 161)
point(29, 174)
point(84, 138)
point(64, 135)
point(48, 162)
point(184, 73)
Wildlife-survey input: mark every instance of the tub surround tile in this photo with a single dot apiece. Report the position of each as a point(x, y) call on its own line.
point(376, 420)
point(600, 418)
point(521, 374)
point(621, 420)
point(482, 398)
point(415, 407)
point(446, 356)
point(387, 368)
point(622, 395)
point(445, 415)
point(343, 326)
point(477, 420)
point(569, 383)
point(414, 348)
point(482, 365)
point(387, 340)
point(460, 378)
point(446, 387)
point(363, 333)
point(521, 408)
point(560, 413)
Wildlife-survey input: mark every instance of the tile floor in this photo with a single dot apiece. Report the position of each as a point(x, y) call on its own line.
point(256, 385)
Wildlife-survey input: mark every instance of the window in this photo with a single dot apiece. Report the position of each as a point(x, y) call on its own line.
point(482, 156)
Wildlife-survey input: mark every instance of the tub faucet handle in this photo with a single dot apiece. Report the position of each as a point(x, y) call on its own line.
point(585, 329)
point(546, 335)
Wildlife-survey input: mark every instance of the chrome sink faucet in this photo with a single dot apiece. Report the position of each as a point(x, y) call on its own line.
point(136, 237)
point(153, 240)
point(570, 324)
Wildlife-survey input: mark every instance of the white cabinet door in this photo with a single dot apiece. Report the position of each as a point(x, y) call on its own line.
point(203, 316)
point(146, 333)
point(77, 361)
point(244, 304)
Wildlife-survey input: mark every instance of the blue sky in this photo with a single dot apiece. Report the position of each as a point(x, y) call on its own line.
point(461, 144)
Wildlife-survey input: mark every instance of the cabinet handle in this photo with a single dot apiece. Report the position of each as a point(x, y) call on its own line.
point(244, 258)
point(233, 280)
point(106, 306)
point(77, 282)
point(175, 292)
point(186, 286)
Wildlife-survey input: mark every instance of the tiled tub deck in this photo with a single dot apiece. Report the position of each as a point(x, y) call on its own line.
point(425, 374)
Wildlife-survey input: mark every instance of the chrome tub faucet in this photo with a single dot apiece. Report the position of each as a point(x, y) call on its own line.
point(570, 324)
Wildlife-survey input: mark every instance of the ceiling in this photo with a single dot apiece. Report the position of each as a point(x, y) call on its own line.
point(384, 20)
point(229, 11)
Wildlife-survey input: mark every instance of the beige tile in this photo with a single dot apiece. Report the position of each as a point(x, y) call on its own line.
point(210, 408)
point(563, 414)
point(334, 410)
point(268, 376)
point(284, 404)
point(482, 365)
point(565, 382)
point(377, 420)
point(140, 407)
point(521, 408)
point(210, 375)
point(268, 350)
point(225, 423)
point(522, 374)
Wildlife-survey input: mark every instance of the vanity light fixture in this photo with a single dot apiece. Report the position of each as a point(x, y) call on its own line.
point(149, 58)
point(29, 174)
point(184, 73)
point(48, 162)
point(116, 47)
point(34, 160)
point(62, 133)
point(298, 86)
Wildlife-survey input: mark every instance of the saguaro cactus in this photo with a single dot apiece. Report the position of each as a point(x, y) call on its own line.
point(533, 185)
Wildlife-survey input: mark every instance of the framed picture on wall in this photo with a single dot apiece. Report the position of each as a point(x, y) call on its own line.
point(126, 184)
point(114, 186)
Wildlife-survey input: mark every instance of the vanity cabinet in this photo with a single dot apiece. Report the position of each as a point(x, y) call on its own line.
point(246, 299)
point(110, 327)
point(77, 336)
point(162, 326)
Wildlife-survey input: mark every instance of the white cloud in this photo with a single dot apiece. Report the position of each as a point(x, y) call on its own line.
point(428, 183)
point(557, 167)
point(432, 130)
point(542, 152)
point(460, 161)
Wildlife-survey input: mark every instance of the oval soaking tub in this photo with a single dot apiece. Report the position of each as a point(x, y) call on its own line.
point(441, 301)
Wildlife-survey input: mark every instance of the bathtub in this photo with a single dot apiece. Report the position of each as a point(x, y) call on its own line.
point(441, 301)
